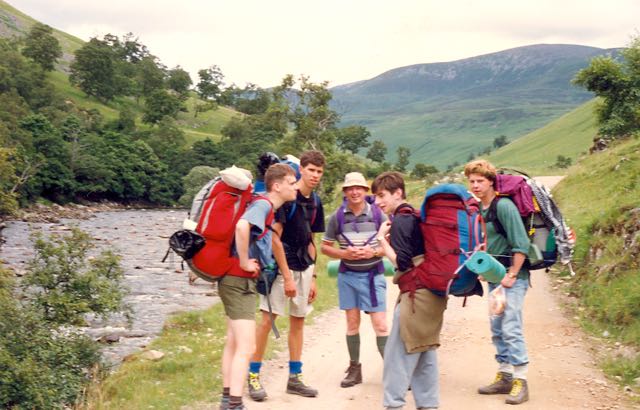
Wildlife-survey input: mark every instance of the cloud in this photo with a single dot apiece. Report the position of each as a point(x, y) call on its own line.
point(337, 40)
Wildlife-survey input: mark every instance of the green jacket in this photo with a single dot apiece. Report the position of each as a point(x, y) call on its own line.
point(516, 240)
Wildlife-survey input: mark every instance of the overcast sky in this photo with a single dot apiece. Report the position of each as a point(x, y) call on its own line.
point(339, 41)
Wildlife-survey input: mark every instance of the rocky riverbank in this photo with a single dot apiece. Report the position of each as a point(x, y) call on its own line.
point(156, 290)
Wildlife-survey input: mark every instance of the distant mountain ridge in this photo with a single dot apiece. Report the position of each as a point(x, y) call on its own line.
point(445, 111)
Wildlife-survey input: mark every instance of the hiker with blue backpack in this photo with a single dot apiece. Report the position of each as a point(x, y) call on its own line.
point(410, 357)
point(295, 286)
point(238, 293)
point(511, 248)
point(361, 282)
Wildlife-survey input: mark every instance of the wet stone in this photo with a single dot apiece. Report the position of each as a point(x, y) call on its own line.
point(155, 289)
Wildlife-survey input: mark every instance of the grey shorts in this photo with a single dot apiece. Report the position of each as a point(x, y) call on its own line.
point(298, 306)
point(238, 296)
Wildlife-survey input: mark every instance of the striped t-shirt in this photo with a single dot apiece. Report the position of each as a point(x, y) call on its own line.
point(358, 229)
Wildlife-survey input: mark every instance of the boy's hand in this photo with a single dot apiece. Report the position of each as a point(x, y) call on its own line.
point(251, 265)
point(290, 287)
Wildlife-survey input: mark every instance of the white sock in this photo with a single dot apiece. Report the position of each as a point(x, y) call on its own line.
point(520, 372)
point(506, 368)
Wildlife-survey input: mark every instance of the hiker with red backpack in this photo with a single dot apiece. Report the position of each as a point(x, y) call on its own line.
point(410, 357)
point(361, 282)
point(295, 286)
point(511, 248)
point(238, 290)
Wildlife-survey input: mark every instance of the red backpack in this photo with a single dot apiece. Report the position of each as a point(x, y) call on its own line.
point(452, 229)
point(222, 208)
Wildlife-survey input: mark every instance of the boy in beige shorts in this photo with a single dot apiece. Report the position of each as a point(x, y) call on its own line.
point(295, 286)
point(238, 294)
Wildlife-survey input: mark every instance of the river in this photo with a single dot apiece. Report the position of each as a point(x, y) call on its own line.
point(156, 289)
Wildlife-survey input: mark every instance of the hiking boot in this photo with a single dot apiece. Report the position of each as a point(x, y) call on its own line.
point(354, 375)
point(256, 390)
point(501, 385)
point(519, 392)
point(296, 385)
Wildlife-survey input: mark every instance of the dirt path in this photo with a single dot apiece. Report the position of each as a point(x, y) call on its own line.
point(562, 374)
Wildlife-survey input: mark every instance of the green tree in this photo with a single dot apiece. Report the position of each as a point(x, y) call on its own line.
point(149, 77)
point(194, 180)
point(313, 119)
point(94, 71)
point(42, 47)
point(54, 179)
point(422, 170)
point(377, 152)
point(353, 138)
point(8, 181)
point(211, 82)
point(500, 141)
point(403, 154)
point(160, 104)
point(179, 81)
point(208, 152)
point(22, 84)
point(249, 100)
point(618, 84)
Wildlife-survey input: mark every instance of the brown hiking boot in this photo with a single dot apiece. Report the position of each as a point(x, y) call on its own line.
point(354, 375)
point(296, 385)
point(501, 384)
point(519, 392)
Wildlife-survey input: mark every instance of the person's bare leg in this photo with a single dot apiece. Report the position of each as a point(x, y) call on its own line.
point(262, 336)
point(244, 333)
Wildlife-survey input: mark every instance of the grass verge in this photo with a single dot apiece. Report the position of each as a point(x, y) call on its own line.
point(600, 199)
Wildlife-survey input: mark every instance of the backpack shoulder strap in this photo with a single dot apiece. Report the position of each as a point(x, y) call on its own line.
point(316, 204)
point(270, 216)
point(405, 209)
point(492, 216)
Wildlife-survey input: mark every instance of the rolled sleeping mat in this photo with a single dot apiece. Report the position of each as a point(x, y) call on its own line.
point(485, 265)
point(333, 266)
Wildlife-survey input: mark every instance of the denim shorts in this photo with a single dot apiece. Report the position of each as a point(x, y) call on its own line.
point(354, 291)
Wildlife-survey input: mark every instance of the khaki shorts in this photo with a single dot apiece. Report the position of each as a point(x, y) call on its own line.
point(298, 306)
point(238, 297)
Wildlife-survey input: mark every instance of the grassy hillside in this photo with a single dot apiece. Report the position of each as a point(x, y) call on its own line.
point(600, 199)
point(446, 111)
point(570, 135)
point(14, 23)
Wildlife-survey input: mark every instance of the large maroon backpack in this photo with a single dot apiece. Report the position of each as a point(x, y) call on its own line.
point(452, 229)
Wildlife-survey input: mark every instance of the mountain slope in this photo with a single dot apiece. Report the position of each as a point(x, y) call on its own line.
point(14, 23)
point(536, 153)
point(445, 111)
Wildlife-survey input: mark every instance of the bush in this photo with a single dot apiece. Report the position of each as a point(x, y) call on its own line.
point(563, 162)
point(40, 366)
point(45, 364)
point(65, 285)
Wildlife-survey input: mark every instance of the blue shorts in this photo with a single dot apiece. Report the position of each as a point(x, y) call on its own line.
point(353, 291)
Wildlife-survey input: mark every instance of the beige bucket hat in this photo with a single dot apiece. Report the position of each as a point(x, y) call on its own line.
point(355, 179)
